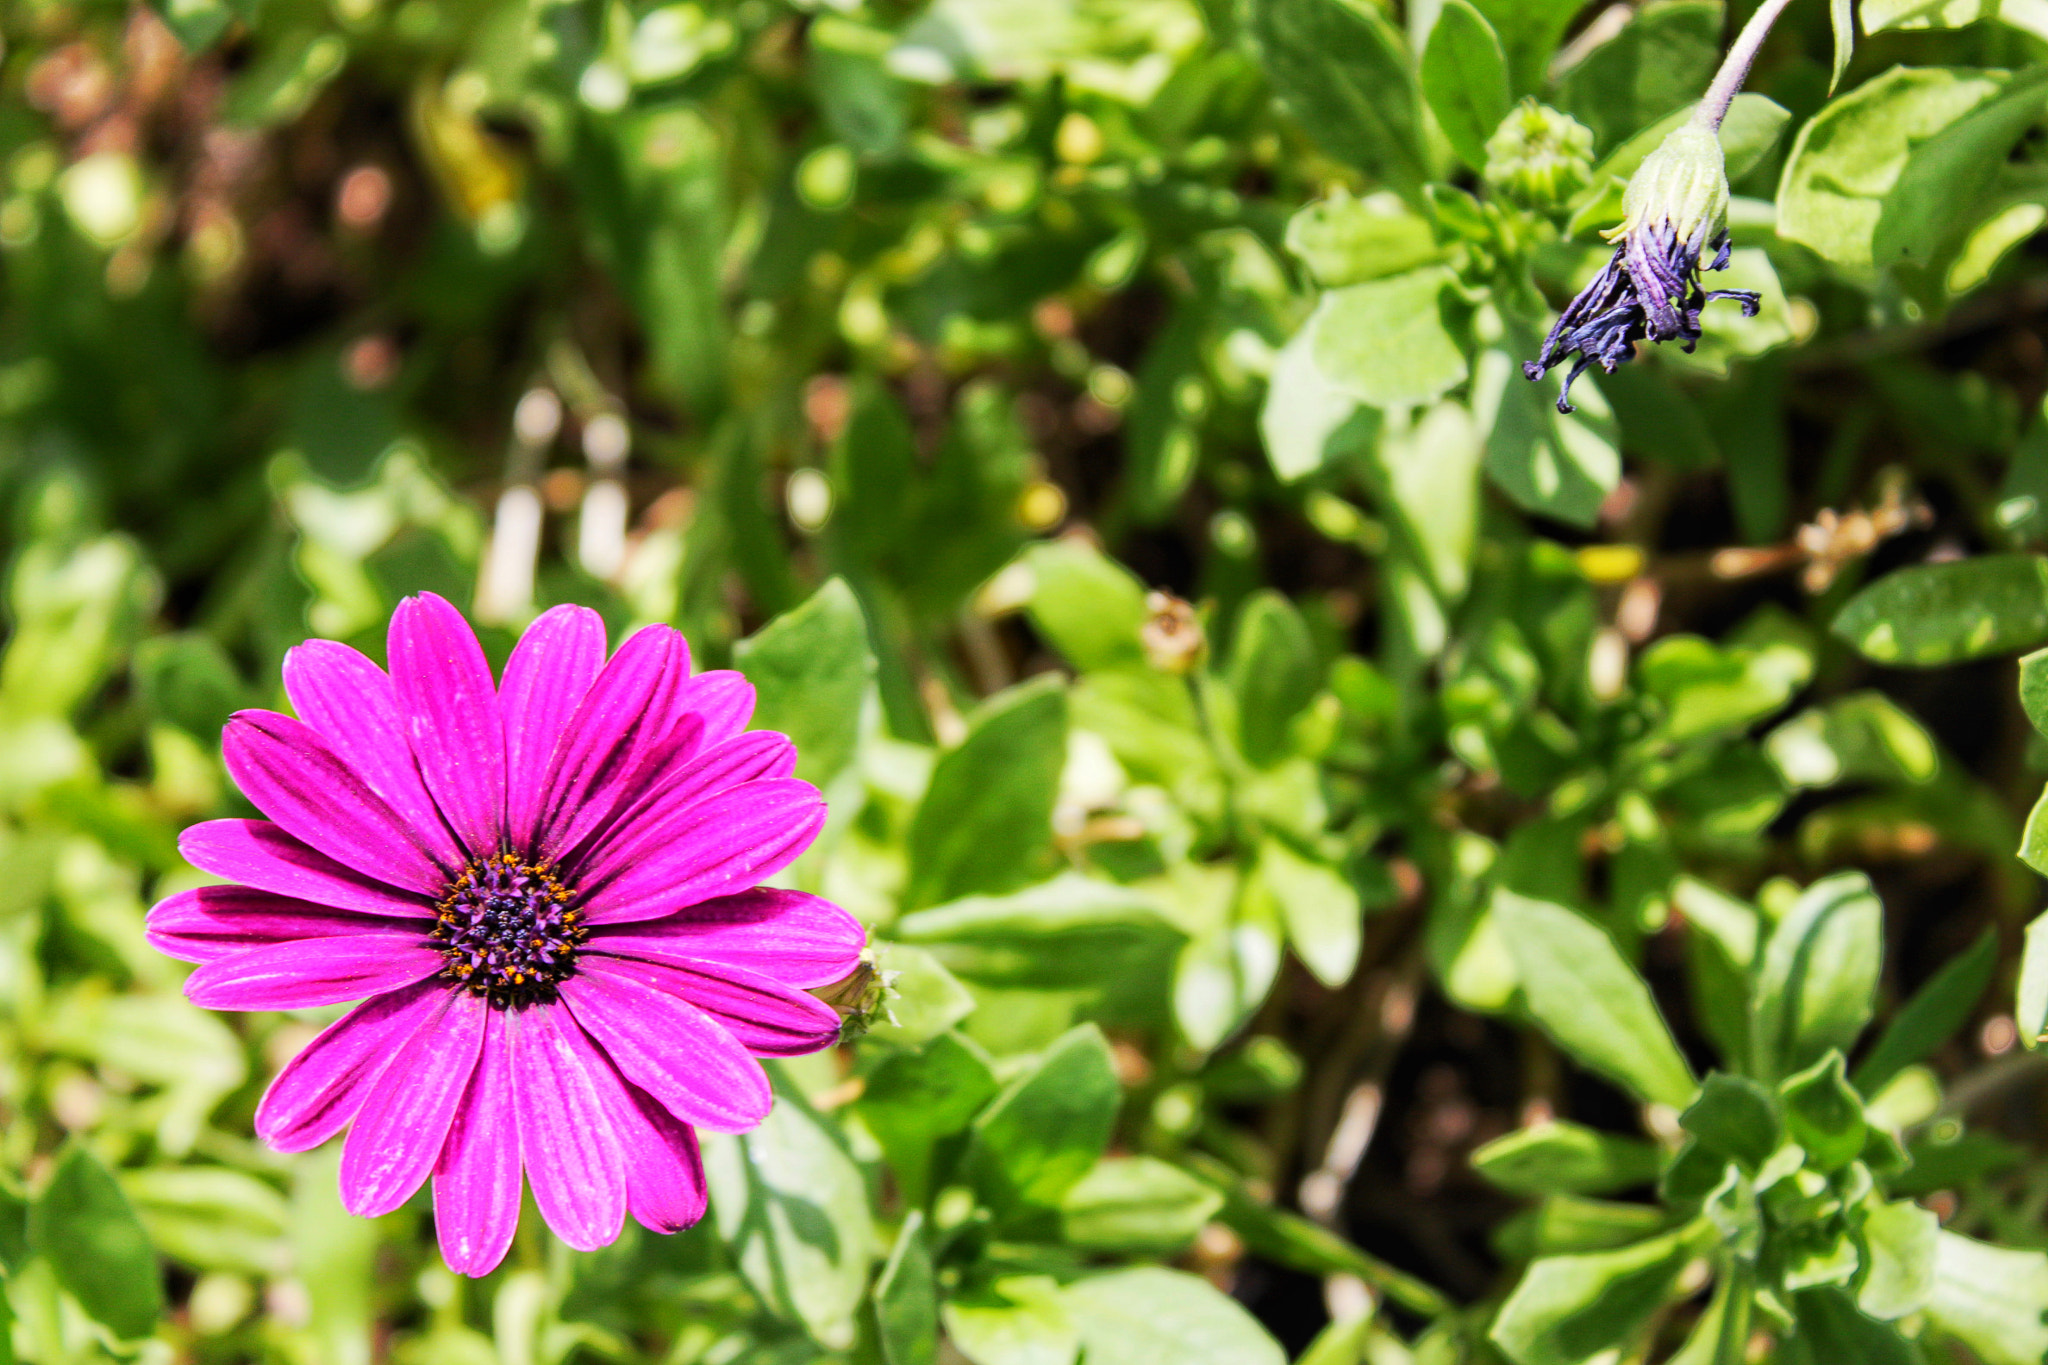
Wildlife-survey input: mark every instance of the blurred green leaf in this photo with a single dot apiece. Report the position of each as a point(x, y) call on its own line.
point(1153, 1316)
point(1567, 1309)
point(1660, 60)
point(1850, 156)
point(1089, 606)
point(1273, 674)
point(906, 1298)
point(1734, 1117)
point(1341, 69)
point(1903, 1240)
point(1385, 342)
point(793, 1208)
point(1137, 1205)
point(811, 667)
point(1818, 974)
point(1047, 1128)
point(1991, 1299)
point(914, 1099)
point(211, 1217)
point(1465, 79)
point(1345, 240)
point(1016, 1320)
point(1940, 1007)
point(1318, 904)
point(84, 1226)
point(1560, 1157)
point(986, 820)
point(1824, 1114)
point(1581, 992)
point(1831, 1328)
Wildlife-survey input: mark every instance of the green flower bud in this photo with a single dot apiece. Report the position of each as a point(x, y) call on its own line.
point(1539, 157)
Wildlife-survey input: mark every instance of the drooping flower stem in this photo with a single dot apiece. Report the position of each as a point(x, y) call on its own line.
point(1727, 83)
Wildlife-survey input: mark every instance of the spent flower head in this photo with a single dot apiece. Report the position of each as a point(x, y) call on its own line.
point(544, 893)
point(1675, 213)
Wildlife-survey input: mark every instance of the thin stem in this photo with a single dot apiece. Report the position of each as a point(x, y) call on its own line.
point(1713, 106)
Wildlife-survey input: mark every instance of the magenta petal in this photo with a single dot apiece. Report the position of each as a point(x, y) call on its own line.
point(550, 670)
point(722, 699)
point(292, 775)
point(444, 686)
point(399, 1132)
point(476, 1181)
point(566, 1138)
point(219, 921)
point(743, 758)
point(725, 843)
point(766, 1017)
point(305, 973)
point(321, 1089)
point(670, 1048)
point(607, 738)
point(350, 702)
point(797, 939)
point(665, 1188)
point(259, 854)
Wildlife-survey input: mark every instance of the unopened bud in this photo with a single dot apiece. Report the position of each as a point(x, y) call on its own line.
point(1539, 157)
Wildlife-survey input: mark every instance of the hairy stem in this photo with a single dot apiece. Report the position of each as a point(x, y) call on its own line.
point(1713, 106)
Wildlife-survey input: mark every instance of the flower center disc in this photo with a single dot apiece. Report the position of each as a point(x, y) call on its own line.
point(508, 932)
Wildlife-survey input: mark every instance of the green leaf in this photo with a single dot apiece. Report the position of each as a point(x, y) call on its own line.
point(1343, 240)
point(211, 1217)
point(1308, 418)
point(907, 1298)
point(1567, 1309)
point(1428, 468)
point(14, 1247)
point(914, 1100)
point(1153, 1316)
point(1705, 689)
point(188, 680)
point(1818, 975)
point(811, 667)
point(1831, 1330)
point(1557, 1157)
point(1850, 155)
point(1465, 80)
point(1901, 1241)
point(1559, 465)
point(1136, 1205)
point(1581, 992)
point(1734, 1117)
point(2034, 689)
point(1089, 606)
point(1564, 1225)
point(1048, 1127)
point(1274, 673)
point(1385, 342)
point(1343, 71)
point(1657, 62)
point(2031, 1008)
point(793, 1208)
point(1991, 1299)
point(1318, 904)
point(1072, 933)
point(1824, 1114)
point(1864, 736)
point(985, 824)
point(1843, 21)
point(84, 1226)
point(1945, 187)
point(1529, 31)
point(1937, 1010)
point(1017, 1320)
point(2026, 15)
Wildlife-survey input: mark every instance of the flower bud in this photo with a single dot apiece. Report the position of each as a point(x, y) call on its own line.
point(1539, 157)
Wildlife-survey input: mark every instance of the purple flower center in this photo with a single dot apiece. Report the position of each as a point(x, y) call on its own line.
point(508, 931)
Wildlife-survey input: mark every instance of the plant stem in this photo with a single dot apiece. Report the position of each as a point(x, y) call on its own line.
point(1713, 106)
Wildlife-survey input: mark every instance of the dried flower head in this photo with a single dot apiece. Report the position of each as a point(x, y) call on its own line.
point(1674, 213)
point(544, 893)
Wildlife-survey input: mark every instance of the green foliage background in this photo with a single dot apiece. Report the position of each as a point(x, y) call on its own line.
point(1551, 896)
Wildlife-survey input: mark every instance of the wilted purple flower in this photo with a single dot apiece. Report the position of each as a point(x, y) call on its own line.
point(1675, 211)
point(544, 894)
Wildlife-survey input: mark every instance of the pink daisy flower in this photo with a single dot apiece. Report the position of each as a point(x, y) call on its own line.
point(543, 892)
